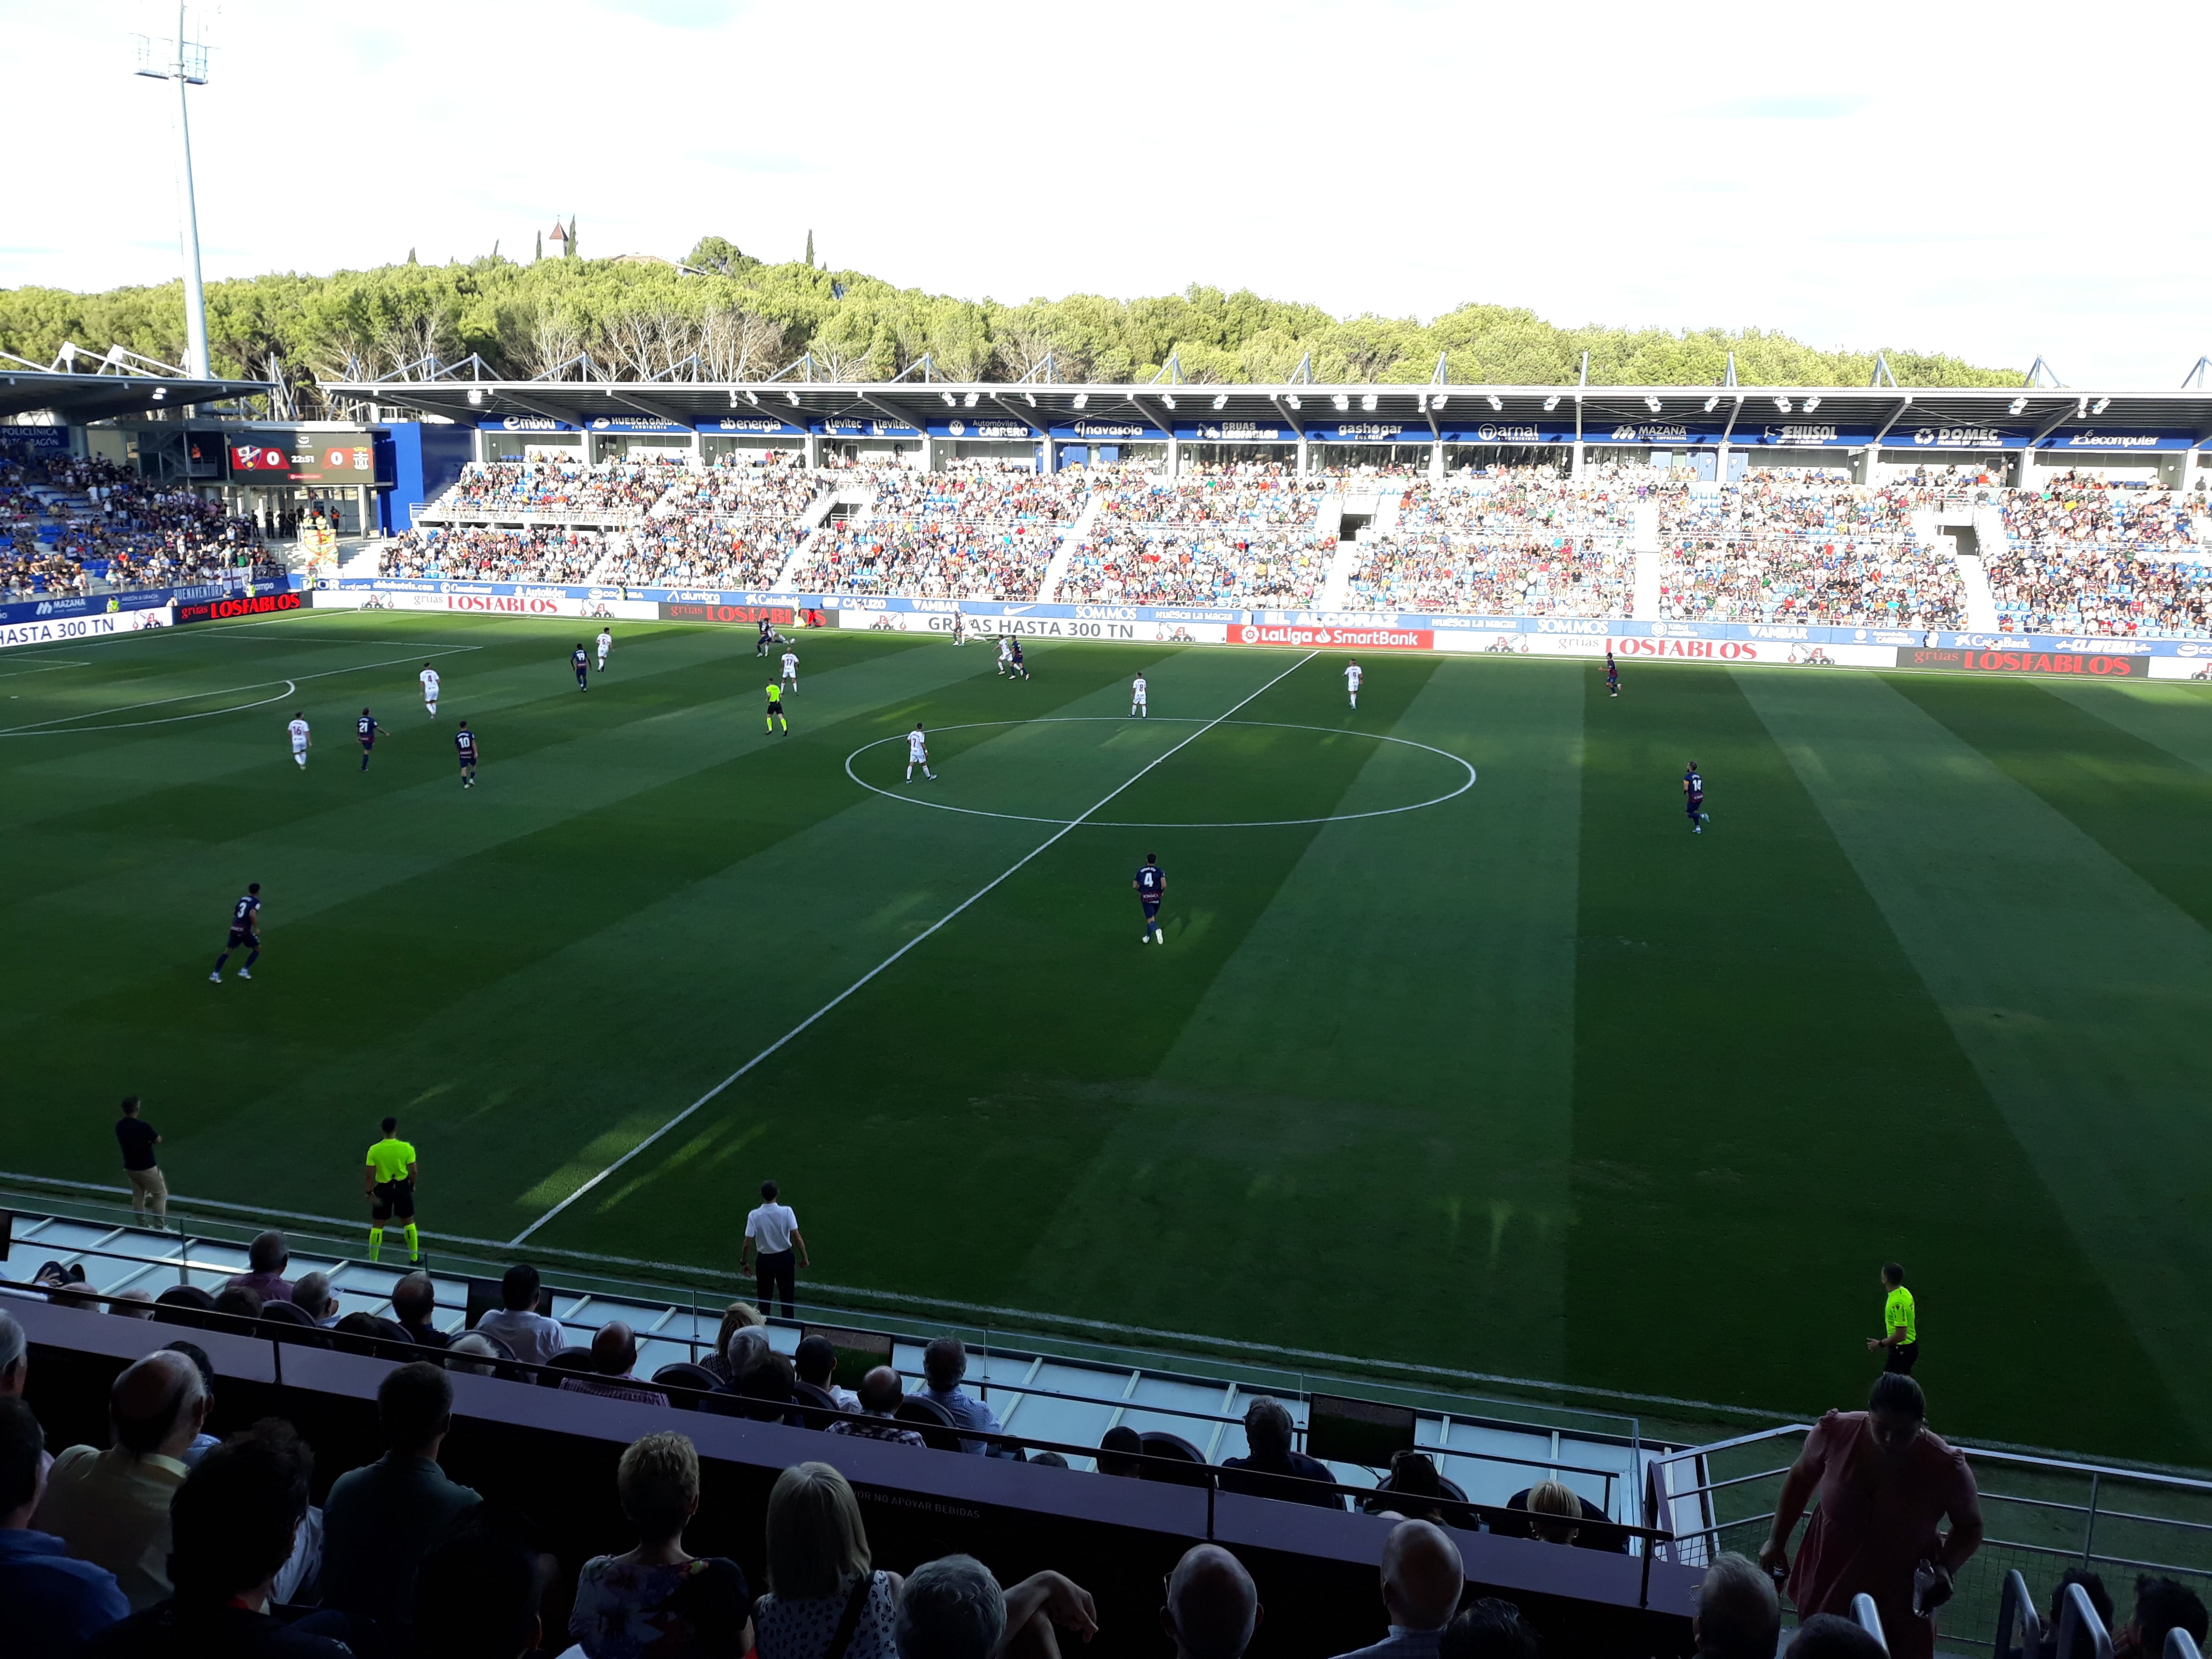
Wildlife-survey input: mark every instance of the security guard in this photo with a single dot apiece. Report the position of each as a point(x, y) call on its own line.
point(389, 1181)
point(1900, 1336)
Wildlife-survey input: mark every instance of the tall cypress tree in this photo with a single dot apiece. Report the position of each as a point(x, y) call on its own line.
point(571, 249)
point(809, 250)
point(541, 248)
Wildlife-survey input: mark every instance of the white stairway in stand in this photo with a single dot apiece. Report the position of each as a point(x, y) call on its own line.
point(1981, 603)
point(1079, 527)
point(363, 561)
point(1644, 546)
point(812, 520)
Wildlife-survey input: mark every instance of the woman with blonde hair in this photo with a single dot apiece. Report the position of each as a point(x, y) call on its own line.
point(738, 1316)
point(826, 1600)
point(1548, 1501)
point(655, 1601)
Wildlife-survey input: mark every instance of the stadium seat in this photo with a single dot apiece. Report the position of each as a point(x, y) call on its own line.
point(566, 1363)
point(1173, 1448)
point(684, 1374)
point(815, 1403)
point(934, 1424)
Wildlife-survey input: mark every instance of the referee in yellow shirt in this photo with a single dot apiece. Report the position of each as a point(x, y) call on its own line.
point(389, 1182)
point(1900, 1327)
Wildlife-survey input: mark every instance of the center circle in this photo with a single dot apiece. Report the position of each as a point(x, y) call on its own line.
point(1462, 786)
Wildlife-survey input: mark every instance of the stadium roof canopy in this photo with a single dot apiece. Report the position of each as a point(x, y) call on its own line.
point(76, 398)
point(2046, 417)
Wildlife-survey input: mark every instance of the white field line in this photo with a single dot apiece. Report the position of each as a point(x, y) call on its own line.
point(1354, 1362)
point(1049, 842)
point(54, 727)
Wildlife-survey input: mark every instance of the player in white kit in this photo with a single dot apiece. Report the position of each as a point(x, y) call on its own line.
point(790, 671)
point(917, 753)
point(606, 643)
point(1353, 676)
point(1005, 653)
point(429, 678)
point(300, 739)
point(1137, 698)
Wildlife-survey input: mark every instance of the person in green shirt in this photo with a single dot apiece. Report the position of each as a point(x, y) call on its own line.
point(389, 1182)
point(1901, 1338)
point(775, 709)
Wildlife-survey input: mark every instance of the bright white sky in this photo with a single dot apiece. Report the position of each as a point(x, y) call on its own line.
point(1998, 183)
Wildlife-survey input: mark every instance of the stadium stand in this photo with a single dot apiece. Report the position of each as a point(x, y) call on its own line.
point(89, 527)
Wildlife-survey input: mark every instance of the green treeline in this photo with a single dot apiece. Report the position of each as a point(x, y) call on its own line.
point(745, 320)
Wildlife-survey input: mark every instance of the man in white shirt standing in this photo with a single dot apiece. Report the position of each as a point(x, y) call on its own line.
point(1137, 709)
point(300, 738)
point(429, 678)
point(606, 643)
point(790, 671)
point(1353, 676)
point(772, 1236)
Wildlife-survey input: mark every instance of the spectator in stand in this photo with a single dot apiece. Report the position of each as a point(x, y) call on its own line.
point(266, 1258)
point(2100, 1599)
point(772, 1230)
point(817, 1363)
point(881, 1395)
point(477, 1595)
point(14, 1358)
point(2162, 1605)
point(415, 1306)
point(953, 1608)
point(237, 1518)
point(137, 1303)
point(111, 1507)
point(738, 1316)
point(312, 1295)
point(1119, 1449)
point(1884, 1481)
point(381, 1521)
point(655, 1601)
point(614, 1352)
point(473, 1346)
point(1268, 1431)
point(1490, 1628)
point(823, 1588)
point(203, 1442)
point(1422, 1579)
point(1829, 1636)
point(53, 1602)
point(944, 1364)
point(748, 1344)
point(1553, 1509)
point(529, 1336)
point(238, 1302)
point(1213, 1607)
point(1739, 1616)
point(150, 1193)
point(1410, 1489)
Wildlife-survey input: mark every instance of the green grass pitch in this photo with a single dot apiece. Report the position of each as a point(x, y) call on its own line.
point(1528, 1080)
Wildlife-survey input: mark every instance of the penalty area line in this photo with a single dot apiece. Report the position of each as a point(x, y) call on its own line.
point(1048, 842)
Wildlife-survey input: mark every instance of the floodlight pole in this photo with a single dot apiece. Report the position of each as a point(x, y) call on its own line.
point(187, 70)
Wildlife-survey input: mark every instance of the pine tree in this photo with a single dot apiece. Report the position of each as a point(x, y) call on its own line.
point(809, 250)
point(541, 248)
point(411, 256)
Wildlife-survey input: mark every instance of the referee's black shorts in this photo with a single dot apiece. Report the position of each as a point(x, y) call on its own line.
point(390, 1198)
point(1901, 1358)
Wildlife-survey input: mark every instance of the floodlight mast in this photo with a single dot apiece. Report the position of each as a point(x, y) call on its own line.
point(187, 66)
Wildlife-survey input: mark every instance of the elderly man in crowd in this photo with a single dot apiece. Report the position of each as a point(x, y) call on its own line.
point(1272, 1469)
point(953, 1608)
point(881, 1395)
point(944, 1364)
point(614, 1352)
point(111, 1507)
point(1422, 1578)
point(531, 1336)
point(1739, 1616)
point(1213, 1607)
point(266, 1259)
point(414, 1305)
point(312, 1295)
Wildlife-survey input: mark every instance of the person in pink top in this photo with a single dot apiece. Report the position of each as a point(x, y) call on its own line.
point(1885, 1482)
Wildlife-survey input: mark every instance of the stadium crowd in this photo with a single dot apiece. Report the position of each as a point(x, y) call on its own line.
point(172, 1541)
point(2084, 556)
point(107, 528)
point(621, 488)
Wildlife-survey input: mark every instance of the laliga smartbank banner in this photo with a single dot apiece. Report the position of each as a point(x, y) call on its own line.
point(1332, 636)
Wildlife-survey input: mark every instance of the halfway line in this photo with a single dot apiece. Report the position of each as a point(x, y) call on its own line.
point(1045, 845)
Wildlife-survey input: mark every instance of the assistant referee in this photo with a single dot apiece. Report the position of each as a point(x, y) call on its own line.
point(389, 1183)
point(1900, 1337)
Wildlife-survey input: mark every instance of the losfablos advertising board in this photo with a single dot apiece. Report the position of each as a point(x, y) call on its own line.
point(710, 611)
point(526, 602)
point(241, 605)
point(2021, 659)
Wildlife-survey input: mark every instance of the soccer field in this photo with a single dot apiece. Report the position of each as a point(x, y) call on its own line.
point(1513, 1075)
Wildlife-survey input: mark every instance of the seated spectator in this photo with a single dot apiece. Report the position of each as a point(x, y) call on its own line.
point(266, 1258)
point(944, 1364)
point(821, 1578)
point(1119, 1449)
point(817, 1363)
point(768, 1381)
point(203, 1442)
point(738, 1316)
point(477, 1595)
point(415, 1307)
point(614, 1352)
point(1422, 1578)
point(1268, 1431)
point(111, 1508)
point(1829, 1636)
point(953, 1608)
point(2093, 1586)
point(312, 1295)
point(1739, 1616)
point(2162, 1605)
point(529, 1336)
point(14, 1358)
point(1490, 1628)
point(237, 1517)
point(379, 1522)
point(1548, 1501)
point(181, 1304)
point(53, 1603)
point(747, 1346)
point(881, 1395)
point(137, 1303)
point(306, 1557)
point(373, 1329)
point(473, 1346)
point(239, 1302)
point(1049, 1460)
point(655, 1601)
point(1410, 1489)
point(1212, 1606)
